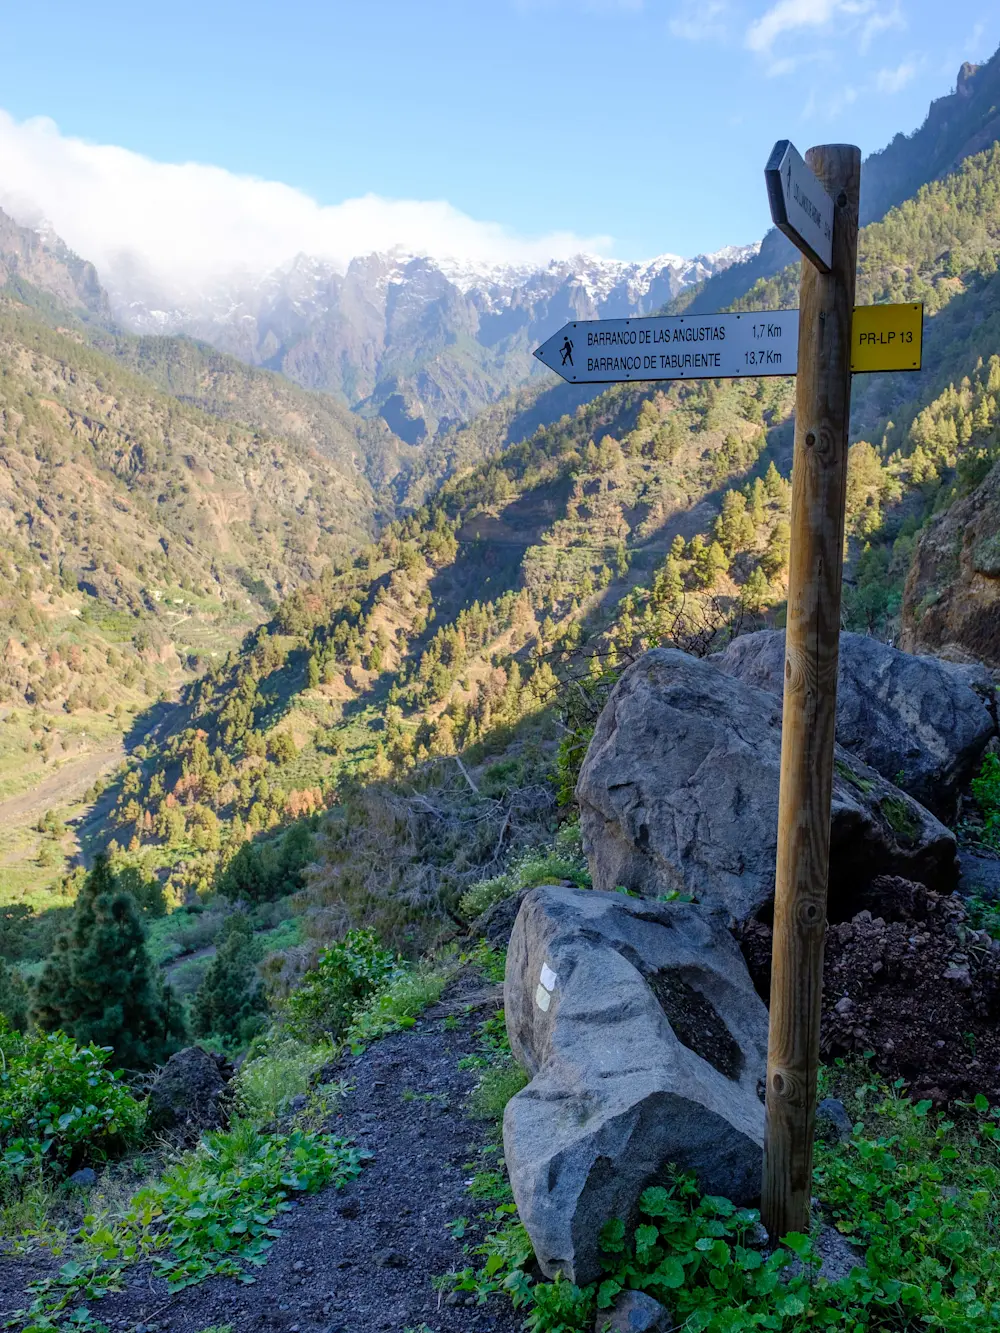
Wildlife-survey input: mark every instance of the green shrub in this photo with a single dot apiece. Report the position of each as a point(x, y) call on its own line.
point(572, 752)
point(986, 790)
point(346, 975)
point(60, 1106)
point(484, 895)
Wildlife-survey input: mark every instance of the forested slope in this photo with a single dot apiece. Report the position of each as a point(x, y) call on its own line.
point(652, 514)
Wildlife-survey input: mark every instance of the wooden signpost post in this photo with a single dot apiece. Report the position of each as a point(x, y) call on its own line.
point(812, 644)
point(814, 201)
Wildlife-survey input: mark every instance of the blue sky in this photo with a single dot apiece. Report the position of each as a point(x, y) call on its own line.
point(640, 126)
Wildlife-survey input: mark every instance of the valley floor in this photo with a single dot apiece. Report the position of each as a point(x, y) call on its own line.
point(360, 1259)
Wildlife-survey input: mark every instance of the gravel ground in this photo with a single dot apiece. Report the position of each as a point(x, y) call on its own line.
point(358, 1259)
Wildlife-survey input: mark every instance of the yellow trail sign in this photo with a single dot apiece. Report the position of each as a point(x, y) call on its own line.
point(887, 337)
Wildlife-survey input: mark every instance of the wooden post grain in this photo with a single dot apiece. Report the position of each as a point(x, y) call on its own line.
point(819, 476)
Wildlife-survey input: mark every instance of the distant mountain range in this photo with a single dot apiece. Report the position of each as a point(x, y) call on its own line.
point(425, 343)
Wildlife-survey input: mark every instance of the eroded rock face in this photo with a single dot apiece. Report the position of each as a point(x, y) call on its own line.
point(951, 603)
point(646, 1041)
point(918, 721)
point(679, 792)
point(190, 1094)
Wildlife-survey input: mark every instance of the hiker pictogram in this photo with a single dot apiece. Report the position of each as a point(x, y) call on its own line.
point(567, 352)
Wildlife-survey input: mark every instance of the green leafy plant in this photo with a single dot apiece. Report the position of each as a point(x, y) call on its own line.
point(984, 916)
point(345, 976)
point(212, 1212)
point(914, 1193)
point(60, 1106)
point(492, 962)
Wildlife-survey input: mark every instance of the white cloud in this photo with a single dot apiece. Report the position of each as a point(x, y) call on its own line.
point(881, 21)
point(894, 80)
point(700, 20)
point(166, 232)
point(790, 16)
point(786, 16)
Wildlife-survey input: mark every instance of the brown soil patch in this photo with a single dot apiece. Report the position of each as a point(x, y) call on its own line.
point(909, 979)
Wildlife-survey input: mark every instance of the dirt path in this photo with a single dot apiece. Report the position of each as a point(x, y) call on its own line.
point(58, 788)
point(360, 1259)
point(209, 951)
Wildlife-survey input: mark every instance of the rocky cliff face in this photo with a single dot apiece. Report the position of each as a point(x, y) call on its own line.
point(958, 125)
point(46, 263)
point(951, 605)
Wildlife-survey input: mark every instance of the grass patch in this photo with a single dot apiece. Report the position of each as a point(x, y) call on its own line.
point(400, 1002)
point(544, 865)
point(855, 779)
point(899, 815)
point(496, 1087)
point(277, 1071)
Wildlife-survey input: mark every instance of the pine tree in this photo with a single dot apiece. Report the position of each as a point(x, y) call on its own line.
point(757, 496)
point(711, 561)
point(230, 1001)
point(669, 585)
point(772, 481)
point(99, 984)
point(775, 559)
point(13, 998)
point(756, 589)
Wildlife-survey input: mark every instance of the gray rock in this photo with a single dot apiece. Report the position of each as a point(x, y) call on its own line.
point(82, 1179)
point(833, 1124)
point(679, 792)
point(390, 1259)
point(190, 1094)
point(644, 1039)
point(496, 923)
point(633, 1312)
point(920, 722)
point(979, 877)
point(837, 1257)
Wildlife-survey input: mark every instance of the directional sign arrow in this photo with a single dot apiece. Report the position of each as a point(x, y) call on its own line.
point(800, 207)
point(674, 347)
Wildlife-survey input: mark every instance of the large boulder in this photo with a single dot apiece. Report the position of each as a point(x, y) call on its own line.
point(646, 1044)
point(920, 722)
point(679, 793)
point(190, 1094)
